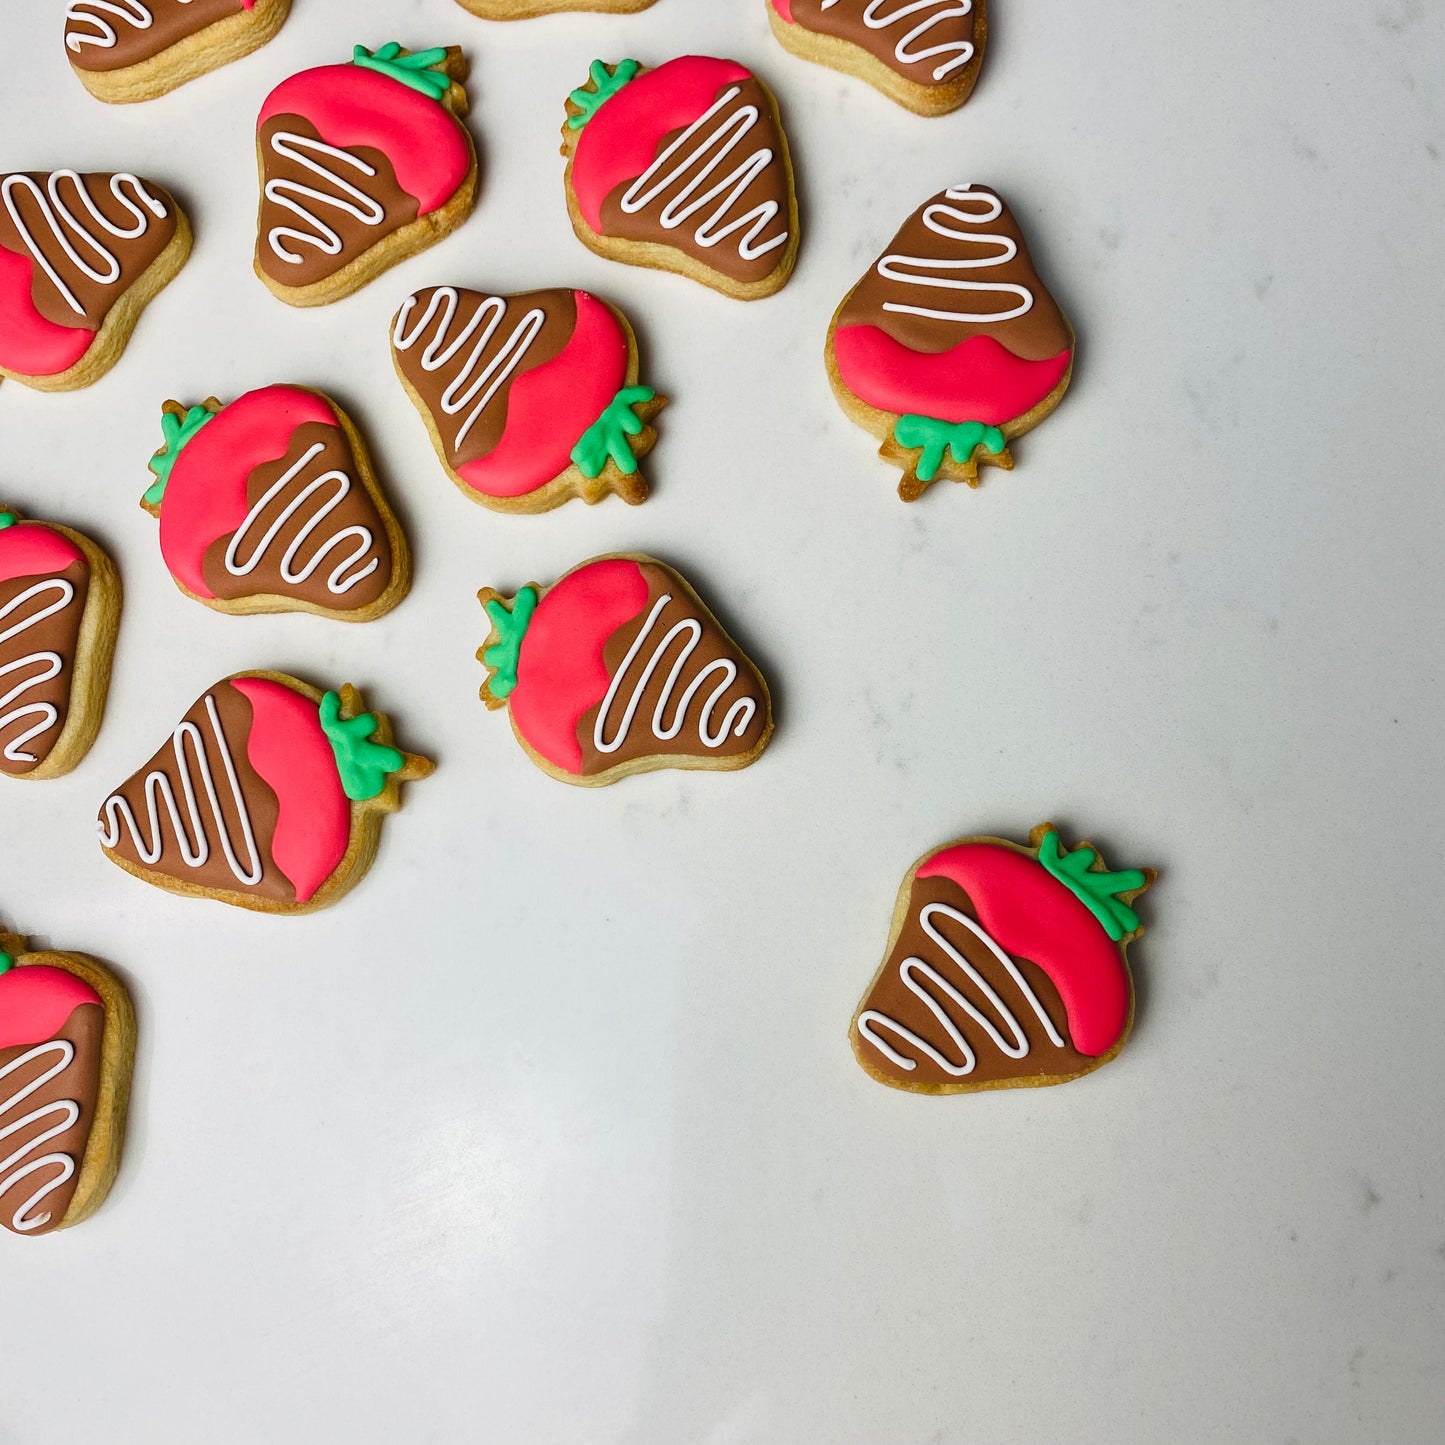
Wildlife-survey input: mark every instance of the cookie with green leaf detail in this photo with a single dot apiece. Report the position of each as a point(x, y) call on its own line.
point(530, 399)
point(269, 794)
point(1006, 967)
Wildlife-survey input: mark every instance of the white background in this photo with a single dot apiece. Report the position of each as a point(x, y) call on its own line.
point(550, 1132)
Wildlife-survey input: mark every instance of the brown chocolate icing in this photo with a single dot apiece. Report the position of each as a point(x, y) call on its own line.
point(355, 510)
point(261, 805)
point(845, 20)
point(892, 997)
point(559, 312)
point(119, 259)
point(59, 633)
point(770, 184)
point(78, 1084)
point(89, 26)
point(355, 236)
point(919, 250)
point(712, 646)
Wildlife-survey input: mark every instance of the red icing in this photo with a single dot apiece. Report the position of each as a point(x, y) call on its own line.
point(352, 106)
point(1030, 914)
point(289, 749)
point(35, 1001)
point(30, 344)
point(977, 380)
point(560, 672)
point(785, 9)
point(620, 141)
point(552, 405)
point(31, 549)
point(205, 498)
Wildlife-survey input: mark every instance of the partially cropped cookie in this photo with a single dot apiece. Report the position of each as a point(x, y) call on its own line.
point(925, 54)
point(683, 168)
point(620, 668)
point(81, 255)
point(270, 504)
point(1005, 968)
point(59, 611)
point(530, 400)
point(951, 345)
point(527, 9)
point(127, 50)
point(67, 1043)
point(362, 165)
point(269, 794)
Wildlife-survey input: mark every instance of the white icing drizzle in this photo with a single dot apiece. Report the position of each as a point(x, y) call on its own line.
point(158, 792)
point(129, 12)
point(340, 485)
point(960, 51)
point(293, 196)
point(736, 719)
point(22, 1220)
point(870, 1020)
point(945, 220)
point(49, 663)
point(58, 215)
point(691, 149)
point(469, 384)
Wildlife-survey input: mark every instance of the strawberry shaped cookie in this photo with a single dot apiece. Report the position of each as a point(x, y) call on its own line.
point(950, 346)
point(362, 165)
point(1005, 968)
point(59, 611)
point(530, 400)
point(925, 54)
point(67, 1042)
point(126, 50)
point(683, 168)
point(270, 504)
point(80, 257)
point(268, 795)
point(619, 668)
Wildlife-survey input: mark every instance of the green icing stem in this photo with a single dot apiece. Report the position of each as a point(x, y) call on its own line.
point(7, 519)
point(937, 437)
point(1094, 888)
point(607, 84)
point(364, 765)
point(413, 70)
point(6, 963)
point(607, 436)
point(176, 432)
point(511, 624)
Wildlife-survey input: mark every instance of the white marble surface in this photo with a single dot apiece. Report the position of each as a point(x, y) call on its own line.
point(550, 1133)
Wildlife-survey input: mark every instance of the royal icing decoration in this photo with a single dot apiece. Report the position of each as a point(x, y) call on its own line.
point(517, 390)
point(264, 498)
point(1007, 968)
point(352, 153)
point(619, 668)
point(70, 246)
point(253, 798)
point(687, 156)
point(925, 40)
point(112, 34)
point(951, 343)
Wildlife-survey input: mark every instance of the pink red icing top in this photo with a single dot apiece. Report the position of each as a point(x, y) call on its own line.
point(614, 147)
point(205, 497)
point(35, 1001)
point(31, 549)
point(290, 751)
point(560, 669)
point(351, 106)
point(1029, 913)
point(29, 342)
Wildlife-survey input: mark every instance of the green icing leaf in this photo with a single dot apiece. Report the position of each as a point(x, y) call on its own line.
point(7, 519)
point(607, 436)
point(511, 624)
point(363, 764)
point(6, 962)
point(607, 83)
point(176, 431)
point(937, 437)
point(1095, 889)
point(413, 70)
